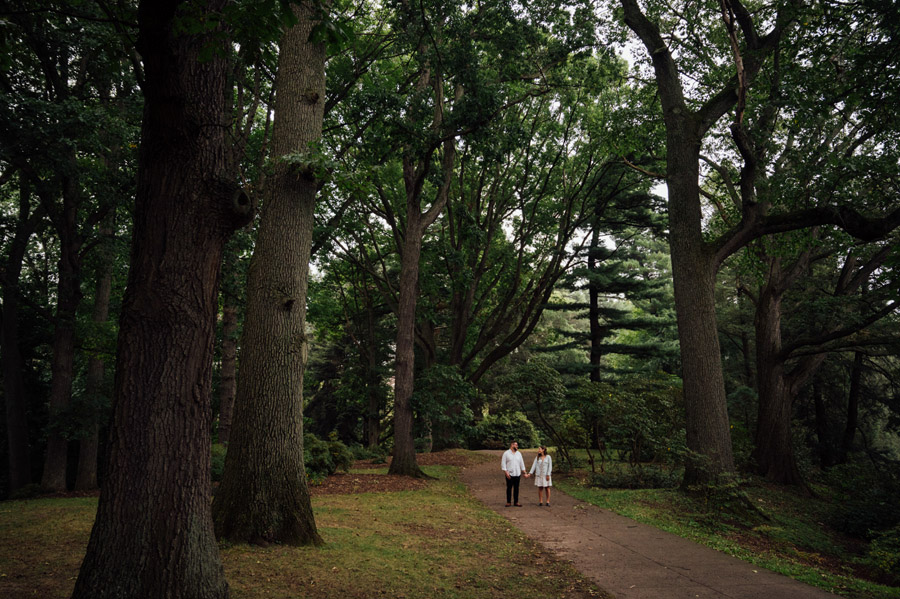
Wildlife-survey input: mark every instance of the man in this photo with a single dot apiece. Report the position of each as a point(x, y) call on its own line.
point(513, 467)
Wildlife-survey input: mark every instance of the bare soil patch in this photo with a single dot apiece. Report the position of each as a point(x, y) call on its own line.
point(344, 483)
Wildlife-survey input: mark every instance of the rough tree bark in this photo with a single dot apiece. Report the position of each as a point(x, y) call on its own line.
point(153, 535)
point(773, 453)
point(264, 495)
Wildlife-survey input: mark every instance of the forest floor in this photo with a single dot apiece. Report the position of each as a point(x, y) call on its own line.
point(452, 536)
point(384, 536)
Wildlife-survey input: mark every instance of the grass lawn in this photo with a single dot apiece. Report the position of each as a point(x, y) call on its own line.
point(784, 531)
point(433, 541)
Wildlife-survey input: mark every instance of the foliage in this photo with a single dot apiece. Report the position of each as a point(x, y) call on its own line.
point(650, 477)
point(865, 499)
point(641, 418)
point(442, 403)
point(538, 390)
point(885, 552)
point(323, 458)
point(497, 431)
point(217, 461)
point(364, 453)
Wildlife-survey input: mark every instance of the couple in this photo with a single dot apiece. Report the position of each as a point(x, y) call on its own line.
point(513, 466)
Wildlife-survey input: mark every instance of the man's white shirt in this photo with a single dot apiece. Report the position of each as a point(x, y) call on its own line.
point(512, 463)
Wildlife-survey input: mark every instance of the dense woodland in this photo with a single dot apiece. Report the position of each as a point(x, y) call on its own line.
point(666, 233)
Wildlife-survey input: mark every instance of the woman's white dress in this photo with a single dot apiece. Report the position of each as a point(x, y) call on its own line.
point(541, 469)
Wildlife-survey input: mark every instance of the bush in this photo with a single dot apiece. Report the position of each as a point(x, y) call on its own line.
point(341, 456)
point(317, 457)
point(866, 502)
point(442, 401)
point(562, 466)
point(643, 478)
point(323, 458)
point(217, 461)
point(27, 492)
point(363, 453)
point(497, 431)
point(885, 553)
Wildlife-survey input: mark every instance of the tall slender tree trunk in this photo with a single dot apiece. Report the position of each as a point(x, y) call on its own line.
point(827, 457)
point(853, 398)
point(153, 534)
point(62, 367)
point(372, 424)
point(694, 273)
point(773, 453)
point(596, 328)
point(404, 455)
point(10, 355)
point(86, 478)
point(264, 495)
point(228, 373)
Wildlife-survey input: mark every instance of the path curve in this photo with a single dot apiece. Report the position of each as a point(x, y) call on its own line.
point(628, 559)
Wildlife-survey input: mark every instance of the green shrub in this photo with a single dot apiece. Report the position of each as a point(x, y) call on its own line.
point(563, 466)
point(217, 461)
point(885, 553)
point(323, 458)
point(442, 401)
point(364, 453)
point(866, 502)
point(649, 477)
point(497, 431)
point(341, 456)
point(27, 492)
point(317, 456)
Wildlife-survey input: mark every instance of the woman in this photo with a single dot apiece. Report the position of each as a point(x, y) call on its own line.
point(541, 469)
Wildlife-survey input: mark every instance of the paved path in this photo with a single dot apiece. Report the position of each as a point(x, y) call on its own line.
point(628, 559)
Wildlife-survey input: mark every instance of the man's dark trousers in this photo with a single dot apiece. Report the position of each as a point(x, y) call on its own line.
point(512, 488)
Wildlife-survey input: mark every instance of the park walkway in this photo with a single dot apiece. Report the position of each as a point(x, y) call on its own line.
point(625, 558)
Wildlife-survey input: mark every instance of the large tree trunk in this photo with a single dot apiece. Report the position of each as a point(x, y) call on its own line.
point(153, 535)
point(597, 332)
point(404, 456)
point(62, 367)
point(10, 355)
point(773, 454)
point(693, 262)
point(827, 453)
point(86, 478)
point(264, 495)
point(372, 423)
point(694, 274)
point(853, 398)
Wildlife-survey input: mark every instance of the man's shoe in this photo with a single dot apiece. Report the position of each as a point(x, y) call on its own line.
point(518, 505)
point(508, 504)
